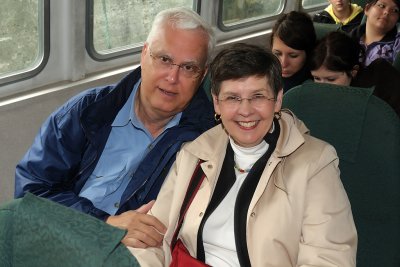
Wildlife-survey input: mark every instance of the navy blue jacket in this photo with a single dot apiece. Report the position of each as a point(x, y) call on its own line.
point(70, 142)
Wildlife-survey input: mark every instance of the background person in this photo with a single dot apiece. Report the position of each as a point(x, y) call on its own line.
point(335, 61)
point(341, 12)
point(379, 35)
point(107, 150)
point(292, 41)
point(271, 195)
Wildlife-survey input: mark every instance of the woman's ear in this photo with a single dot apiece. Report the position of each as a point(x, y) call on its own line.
point(278, 102)
point(216, 104)
point(366, 9)
point(354, 71)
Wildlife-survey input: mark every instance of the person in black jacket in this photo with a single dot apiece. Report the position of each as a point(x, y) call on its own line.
point(335, 61)
point(341, 12)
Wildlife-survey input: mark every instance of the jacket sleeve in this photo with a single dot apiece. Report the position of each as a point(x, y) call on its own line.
point(329, 236)
point(50, 166)
point(166, 209)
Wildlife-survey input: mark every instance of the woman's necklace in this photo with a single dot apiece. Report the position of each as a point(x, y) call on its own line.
point(240, 169)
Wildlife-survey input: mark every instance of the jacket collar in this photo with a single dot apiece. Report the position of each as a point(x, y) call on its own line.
point(211, 147)
point(109, 100)
point(360, 31)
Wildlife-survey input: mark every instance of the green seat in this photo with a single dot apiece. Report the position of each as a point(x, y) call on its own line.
point(322, 29)
point(38, 232)
point(361, 3)
point(366, 134)
point(6, 235)
point(206, 85)
point(396, 62)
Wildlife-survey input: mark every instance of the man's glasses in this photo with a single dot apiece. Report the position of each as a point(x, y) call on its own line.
point(258, 101)
point(166, 63)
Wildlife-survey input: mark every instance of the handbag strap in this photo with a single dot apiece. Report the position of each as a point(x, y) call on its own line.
point(194, 185)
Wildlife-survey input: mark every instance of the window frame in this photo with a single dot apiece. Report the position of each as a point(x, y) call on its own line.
point(117, 54)
point(44, 49)
point(245, 23)
point(311, 10)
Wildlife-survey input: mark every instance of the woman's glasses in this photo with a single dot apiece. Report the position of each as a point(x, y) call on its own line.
point(257, 101)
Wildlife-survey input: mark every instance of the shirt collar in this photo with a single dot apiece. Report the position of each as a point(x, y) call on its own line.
point(127, 112)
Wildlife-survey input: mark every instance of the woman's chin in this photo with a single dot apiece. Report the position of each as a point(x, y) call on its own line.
point(286, 75)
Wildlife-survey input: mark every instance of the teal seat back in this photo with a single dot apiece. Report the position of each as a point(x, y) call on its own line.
point(361, 3)
point(322, 29)
point(39, 232)
point(206, 85)
point(6, 234)
point(396, 62)
point(366, 134)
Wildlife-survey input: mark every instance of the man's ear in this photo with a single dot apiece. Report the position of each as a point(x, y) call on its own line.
point(144, 51)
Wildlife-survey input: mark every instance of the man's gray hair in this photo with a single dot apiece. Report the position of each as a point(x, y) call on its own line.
point(184, 19)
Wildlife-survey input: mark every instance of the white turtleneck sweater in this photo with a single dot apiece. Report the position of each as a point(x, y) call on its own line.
point(218, 232)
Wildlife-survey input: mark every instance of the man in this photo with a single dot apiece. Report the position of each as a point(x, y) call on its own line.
point(107, 151)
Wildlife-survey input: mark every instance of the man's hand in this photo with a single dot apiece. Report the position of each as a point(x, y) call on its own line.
point(143, 230)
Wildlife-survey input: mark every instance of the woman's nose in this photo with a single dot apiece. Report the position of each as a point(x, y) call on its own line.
point(284, 61)
point(245, 107)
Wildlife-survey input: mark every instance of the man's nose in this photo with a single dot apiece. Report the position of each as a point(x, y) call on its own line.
point(173, 73)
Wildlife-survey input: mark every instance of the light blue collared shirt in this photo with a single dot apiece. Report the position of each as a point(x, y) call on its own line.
point(128, 143)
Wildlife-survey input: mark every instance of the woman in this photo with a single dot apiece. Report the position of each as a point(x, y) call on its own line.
point(341, 12)
point(379, 35)
point(335, 61)
point(292, 41)
point(271, 195)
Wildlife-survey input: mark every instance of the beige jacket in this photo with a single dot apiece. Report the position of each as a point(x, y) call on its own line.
point(299, 214)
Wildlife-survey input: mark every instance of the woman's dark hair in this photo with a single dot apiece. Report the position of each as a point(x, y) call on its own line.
point(337, 52)
point(296, 30)
point(244, 60)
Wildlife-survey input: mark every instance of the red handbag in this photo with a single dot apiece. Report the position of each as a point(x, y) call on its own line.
point(182, 257)
point(180, 254)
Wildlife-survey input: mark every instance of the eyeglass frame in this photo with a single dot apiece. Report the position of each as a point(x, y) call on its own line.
point(239, 99)
point(170, 64)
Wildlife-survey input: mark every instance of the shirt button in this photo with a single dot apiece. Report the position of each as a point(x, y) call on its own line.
point(253, 214)
point(209, 166)
point(116, 204)
point(201, 214)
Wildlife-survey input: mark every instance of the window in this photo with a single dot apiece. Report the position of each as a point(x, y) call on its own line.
point(118, 27)
point(237, 13)
point(23, 38)
point(314, 3)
